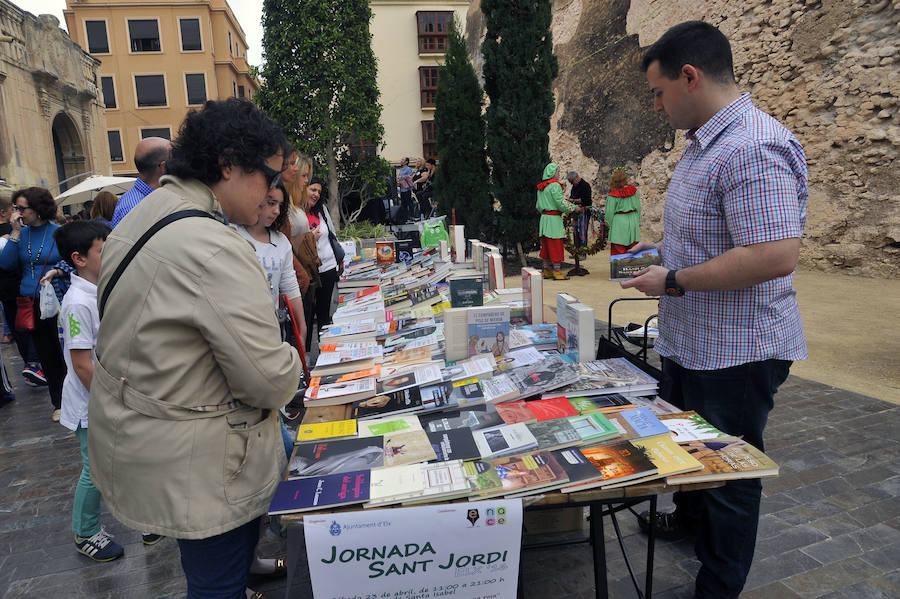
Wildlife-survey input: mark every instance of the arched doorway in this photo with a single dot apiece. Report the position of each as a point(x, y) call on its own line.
point(67, 150)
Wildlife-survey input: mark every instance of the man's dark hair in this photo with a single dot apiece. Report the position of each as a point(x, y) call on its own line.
point(224, 133)
point(147, 163)
point(285, 208)
point(695, 43)
point(39, 200)
point(431, 161)
point(78, 236)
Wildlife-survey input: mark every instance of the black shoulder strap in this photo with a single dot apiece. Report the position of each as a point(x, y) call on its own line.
point(139, 244)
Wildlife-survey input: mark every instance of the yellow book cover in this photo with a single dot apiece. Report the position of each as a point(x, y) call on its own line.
point(326, 430)
point(668, 457)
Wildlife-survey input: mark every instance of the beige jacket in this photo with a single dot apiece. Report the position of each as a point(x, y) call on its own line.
point(190, 372)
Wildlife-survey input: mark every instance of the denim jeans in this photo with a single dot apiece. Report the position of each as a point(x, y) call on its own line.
point(736, 400)
point(217, 567)
point(86, 508)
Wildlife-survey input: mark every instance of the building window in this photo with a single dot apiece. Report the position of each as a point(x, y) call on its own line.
point(151, 90)
point(429, 146)
point(98, 43)
point(156, 132)
point(109, 92)
point(234, 89)
point(196, 88)
point(144, 34)
point(230, 47)
point(115, 146)
point(428, 80)
point(433, 27)
point(241, 91)
point(190, 34)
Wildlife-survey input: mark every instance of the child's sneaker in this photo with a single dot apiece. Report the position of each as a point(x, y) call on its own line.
point(34, 376)
point(99, 547)
point(149, 538)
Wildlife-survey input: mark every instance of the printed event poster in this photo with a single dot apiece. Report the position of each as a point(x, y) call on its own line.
point(466, 551)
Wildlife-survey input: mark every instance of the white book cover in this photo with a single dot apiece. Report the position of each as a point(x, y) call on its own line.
point(339, 357)
point(481, 367)
point(347, 346)
point(456, 333)
point(359, 328)
point(477, 255)
point(323, 392)
point(418, 376)
point(533, 295)
point(581, 344)
point(373, 311)
point(524, 356)
point(458, 242)
point(562, 300)
point(504, 440)
point(393, 484)
point(495, 270)
point(499, 389)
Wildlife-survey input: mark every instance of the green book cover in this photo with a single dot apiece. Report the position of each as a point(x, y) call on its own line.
point(466, 291)
point(593, 427)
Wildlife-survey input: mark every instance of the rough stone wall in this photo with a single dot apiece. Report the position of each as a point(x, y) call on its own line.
point(827, 69)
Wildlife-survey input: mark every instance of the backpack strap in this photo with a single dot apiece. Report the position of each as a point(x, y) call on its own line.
point(139, 244)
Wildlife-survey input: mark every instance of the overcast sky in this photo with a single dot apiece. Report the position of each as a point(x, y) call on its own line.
point(248, 13)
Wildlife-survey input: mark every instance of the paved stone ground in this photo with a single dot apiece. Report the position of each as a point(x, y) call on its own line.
point(830, 525)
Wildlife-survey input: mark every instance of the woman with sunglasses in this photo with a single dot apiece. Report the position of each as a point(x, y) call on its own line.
point(190, 368)
point(32, 251)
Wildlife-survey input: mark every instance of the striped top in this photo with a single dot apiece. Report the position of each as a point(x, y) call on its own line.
point(742, 180)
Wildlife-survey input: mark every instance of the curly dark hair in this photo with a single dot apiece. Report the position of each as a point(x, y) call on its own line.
point(285, 208)
point(224, 133)
point(39, 200)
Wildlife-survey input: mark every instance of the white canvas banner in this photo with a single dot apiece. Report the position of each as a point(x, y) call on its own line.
point(459, 550)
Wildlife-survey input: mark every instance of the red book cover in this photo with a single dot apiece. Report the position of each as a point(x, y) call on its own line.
point(515, 411)
point(552, 408)
point(384, 252)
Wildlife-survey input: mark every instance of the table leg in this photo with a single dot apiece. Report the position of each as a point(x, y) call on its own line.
point(294, 546)
point(598, 543)
point(651, 542)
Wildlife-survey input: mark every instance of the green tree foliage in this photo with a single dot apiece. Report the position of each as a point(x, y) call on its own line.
point(461, 181)
point(519, 68)
point(319, 84)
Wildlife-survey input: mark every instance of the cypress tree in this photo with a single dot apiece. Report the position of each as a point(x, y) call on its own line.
point(461, 181)
point(519, 68)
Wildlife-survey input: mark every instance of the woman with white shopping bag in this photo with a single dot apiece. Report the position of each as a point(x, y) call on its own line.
point(32, 250)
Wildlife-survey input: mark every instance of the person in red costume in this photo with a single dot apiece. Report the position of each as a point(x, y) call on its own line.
point(623, 213)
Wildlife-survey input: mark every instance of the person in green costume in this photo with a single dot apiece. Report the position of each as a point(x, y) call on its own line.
point(623, 213)
point(551, 204)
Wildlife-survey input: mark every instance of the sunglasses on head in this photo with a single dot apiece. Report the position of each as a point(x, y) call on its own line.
point(273, 177)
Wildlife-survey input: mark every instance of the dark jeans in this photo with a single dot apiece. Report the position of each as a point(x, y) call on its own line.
point(320, 311)
point(23, 338)
point(736, 400)
point(217, 567)
point(46, 342)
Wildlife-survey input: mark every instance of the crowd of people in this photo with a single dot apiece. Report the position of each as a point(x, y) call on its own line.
point(172, 301)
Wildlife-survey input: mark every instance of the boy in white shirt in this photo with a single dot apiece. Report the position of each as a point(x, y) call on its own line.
point(79, 244)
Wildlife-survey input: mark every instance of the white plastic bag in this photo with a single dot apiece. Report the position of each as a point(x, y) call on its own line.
point(49, 304)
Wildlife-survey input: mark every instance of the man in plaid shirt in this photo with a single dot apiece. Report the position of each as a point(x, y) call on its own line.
point(728, 318)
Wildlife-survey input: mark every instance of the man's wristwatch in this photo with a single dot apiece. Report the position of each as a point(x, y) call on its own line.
point(673, 289)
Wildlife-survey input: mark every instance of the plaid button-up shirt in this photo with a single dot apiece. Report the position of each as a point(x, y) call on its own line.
point(742, 180)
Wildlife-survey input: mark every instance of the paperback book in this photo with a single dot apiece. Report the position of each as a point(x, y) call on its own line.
point(499, 388)
point(488, 329)
point(322, 431)
point(466, 291)
point(617, 462)
point(330, 491)
point(475, 418)
point(690, 426)
point(483, 477)
point(527, 474)
point(504, 440)
point(637, 423)
point(554, 434)
point(388, 425)
point(581, 344)
point(612, 375)
point(623, 267)
point(533, 295)
point(551, 408)
point(337, 394)
point(613, 402)
point(515, 411)
point(415, 377)
point(725, 458)
point(407, 447)
point(331, 457)
point(454, 444)
point(594, 427)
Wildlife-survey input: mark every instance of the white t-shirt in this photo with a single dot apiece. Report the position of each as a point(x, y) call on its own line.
point(277, 259)
point(79, 321)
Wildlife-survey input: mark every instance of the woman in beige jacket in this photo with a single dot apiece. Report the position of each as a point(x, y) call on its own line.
point(190, 372)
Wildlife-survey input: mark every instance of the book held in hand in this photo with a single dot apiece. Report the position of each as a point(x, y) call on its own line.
point(623, 267)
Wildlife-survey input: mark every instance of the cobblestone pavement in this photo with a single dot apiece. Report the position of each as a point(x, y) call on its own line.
point(830, 524)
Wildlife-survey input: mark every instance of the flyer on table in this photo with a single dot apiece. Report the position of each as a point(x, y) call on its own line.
point(466, 551)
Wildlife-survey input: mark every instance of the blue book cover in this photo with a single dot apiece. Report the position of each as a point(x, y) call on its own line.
point(488, 330)
point(644, 422)
point(319, 492)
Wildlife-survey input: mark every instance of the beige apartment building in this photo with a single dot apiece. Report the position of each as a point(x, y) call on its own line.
point(159, 60)
point(409, 39)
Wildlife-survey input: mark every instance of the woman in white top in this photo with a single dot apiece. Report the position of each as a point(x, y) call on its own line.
point(330, 269)
point(273, 250)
